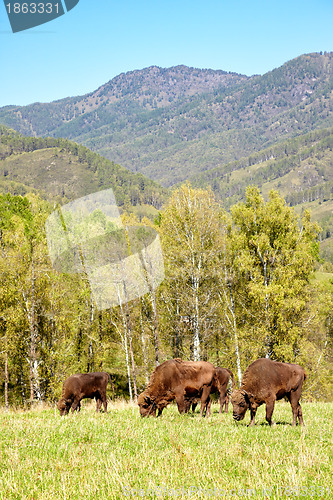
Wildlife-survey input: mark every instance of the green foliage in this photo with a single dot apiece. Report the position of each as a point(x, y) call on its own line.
point(276, 259)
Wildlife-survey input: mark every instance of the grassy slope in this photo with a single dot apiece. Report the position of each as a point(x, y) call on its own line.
point(50, 171)
point(107, 456)
point(63, 171)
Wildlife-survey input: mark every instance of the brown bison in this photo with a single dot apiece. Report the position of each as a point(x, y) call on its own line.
point(84, 385)
point(177, 380)
point(266, 381)
point(219, 386)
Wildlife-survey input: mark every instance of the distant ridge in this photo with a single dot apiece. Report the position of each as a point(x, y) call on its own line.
point(172, 123)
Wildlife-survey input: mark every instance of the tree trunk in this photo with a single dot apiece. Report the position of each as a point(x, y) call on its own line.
point(196, 333)
point(131, 346)
point(155, 327)
point(144, 346)
point(6, 378)
point(125, 344)
point(32, 368)
point(232, 309)
point(33, 361)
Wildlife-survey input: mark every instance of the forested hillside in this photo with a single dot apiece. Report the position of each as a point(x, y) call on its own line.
point(300, 169)
point(173, 123)
point(61, 170)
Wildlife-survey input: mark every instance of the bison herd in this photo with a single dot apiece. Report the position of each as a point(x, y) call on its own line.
point(191, 382)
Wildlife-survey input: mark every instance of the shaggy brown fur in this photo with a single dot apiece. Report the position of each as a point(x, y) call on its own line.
point(219, 386)
point(177, 380)
point(266, 381)
point(84, 385)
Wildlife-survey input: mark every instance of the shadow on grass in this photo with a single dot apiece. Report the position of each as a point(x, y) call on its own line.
point(280, 422)
point(263, 424)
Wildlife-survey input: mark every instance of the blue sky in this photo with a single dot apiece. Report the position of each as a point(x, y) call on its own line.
point(99, 39)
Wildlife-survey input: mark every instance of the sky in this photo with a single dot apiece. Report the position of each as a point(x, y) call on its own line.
point(99, 39)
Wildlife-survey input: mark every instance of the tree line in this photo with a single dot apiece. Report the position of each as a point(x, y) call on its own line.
point(238, 285)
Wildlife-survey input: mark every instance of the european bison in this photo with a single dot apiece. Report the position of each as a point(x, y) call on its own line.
point(220, 386)
point(177, 380)
point(266, 381)
point(84, 385)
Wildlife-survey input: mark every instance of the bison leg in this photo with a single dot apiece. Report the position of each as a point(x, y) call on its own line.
point(98, 404)
point(105, 405)
point(208, 406)
point(224, 400)
point(101, 398)
point(181, 403)
point(253, 409)
point(300, 415)
point(205, 400)
point(269, 410)
point(187, 403)
point(76, 404)
point(296, 408)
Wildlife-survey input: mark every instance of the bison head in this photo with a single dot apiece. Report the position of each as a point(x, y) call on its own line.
point(146, 405)
point(240, 401)
point(64, 406)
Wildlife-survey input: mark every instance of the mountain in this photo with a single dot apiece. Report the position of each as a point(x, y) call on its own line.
point(172, 123)
point(61, 171)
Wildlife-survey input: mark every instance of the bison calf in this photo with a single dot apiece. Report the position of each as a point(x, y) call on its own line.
point(81, 386)
point(219, 386)
point(266, 381)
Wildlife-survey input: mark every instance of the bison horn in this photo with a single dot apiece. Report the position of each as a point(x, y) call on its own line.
point(247, 395)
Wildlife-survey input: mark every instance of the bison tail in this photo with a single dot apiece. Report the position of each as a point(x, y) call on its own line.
point(232, 379)
point(305, 376)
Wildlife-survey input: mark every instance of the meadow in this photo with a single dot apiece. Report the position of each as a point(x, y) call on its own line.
point(121, 455)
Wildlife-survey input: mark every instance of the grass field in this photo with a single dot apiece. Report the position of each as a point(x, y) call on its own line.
point(120, 455)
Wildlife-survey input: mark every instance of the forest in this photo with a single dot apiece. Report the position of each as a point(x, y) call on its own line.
point(238, 285)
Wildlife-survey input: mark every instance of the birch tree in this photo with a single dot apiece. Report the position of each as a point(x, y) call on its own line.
point(189, 228)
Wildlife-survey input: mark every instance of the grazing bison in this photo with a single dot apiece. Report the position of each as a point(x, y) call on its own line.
point(84, 385)
point(220, 386)
point(177, 380)
point(266, 381)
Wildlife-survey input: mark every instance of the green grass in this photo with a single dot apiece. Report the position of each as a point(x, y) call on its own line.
point(120, 455)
